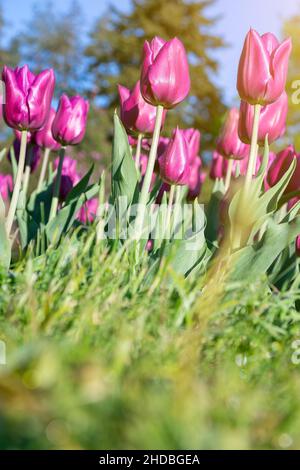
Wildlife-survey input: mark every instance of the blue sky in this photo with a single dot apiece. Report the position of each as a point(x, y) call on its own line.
point(236, 18)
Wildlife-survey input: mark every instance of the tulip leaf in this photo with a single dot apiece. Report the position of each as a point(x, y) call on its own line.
point(5, 246)
point(66, 216)
point(80, 187)
point(124, 174)
point(251, 262)
point(213, 212)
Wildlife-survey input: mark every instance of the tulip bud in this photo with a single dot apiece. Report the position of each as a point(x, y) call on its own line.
point(174, 162)
point(193, 138)
point(279, 167)
point(28, 97)
point(44, 137)
point(69, 176)
point(137, 116)
point(263, 68)
point(87, 213)
point(69, 124)
point(165, 78)
point(272, 120)
point(229, 143)
point(33, 154)
point(6, 186)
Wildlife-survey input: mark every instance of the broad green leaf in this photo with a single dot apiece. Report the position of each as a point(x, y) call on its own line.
point(124, 174)
point(251, 262)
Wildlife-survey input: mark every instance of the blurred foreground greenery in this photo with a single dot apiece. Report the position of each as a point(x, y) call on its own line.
point(98, 359)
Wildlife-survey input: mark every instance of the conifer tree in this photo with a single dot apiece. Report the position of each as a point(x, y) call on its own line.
point(115, 53)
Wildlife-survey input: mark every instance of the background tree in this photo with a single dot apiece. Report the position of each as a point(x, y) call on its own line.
point(292, 28)
point(115, 54)
point(53, 39)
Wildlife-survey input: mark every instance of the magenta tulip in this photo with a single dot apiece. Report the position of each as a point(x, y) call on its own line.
point(263, 68)
point(229, 143)
point(87, 213)
point(297, 246)
point(30, 136)
point(174, 162)
point(44, 137)
point(28, 97)
point(69, 176)
point(137, 116)
point(196, 178)
point(69, 124)
point(6, 186)
point(193, 138)
point(165, 78)
point(218, 166)
point(272, 120)
point(279, 167)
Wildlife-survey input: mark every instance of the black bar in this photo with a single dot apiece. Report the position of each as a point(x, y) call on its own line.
point(144, 458)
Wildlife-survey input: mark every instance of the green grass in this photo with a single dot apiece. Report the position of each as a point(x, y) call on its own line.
point(98, 359)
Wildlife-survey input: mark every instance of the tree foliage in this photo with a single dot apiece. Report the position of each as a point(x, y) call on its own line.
point(115, 54)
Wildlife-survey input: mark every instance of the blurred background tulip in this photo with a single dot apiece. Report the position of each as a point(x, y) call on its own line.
point(272, 121)
point(43, 137)
point(6, 186)
point(280, 165)
point(229, 144)
point(174, 162)
point(137, 115)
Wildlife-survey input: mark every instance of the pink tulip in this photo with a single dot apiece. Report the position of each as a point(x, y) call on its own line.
point(28, 97)
point(196, 178)
point(69, 124)
point(229, 143)
point(6, 186)
point(44, 137)
point(263, 68)
point(137, 116)
point(193, 138)
point(272, 120)
point(174, 162)
point(165, 78)
point(87, 213)
point(69, 176)
point(297, 246)
point(279, 167)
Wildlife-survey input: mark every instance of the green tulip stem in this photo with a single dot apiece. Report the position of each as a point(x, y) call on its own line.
point(18, 182)
point(43, 169)
point(144, 195)
point(253, 149)
point(26, 179)
point(138, 152)
point(228, 174)
point(55, 198)
point(169, 210)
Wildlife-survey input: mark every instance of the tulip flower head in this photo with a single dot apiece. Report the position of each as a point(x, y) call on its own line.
point(44, 137)
point(263, 68)
point(196, 178)
point(272, 120)
point(87, 213)
point(229, 143)
point(69, 176)
point(297, 246)
point(28, 97)
point(193, 138)
point(69, 124)
point(165, 78)
point(6, 186)
point(174, 162)
point(279, 167)
point(137, 115)
point(218, 166)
